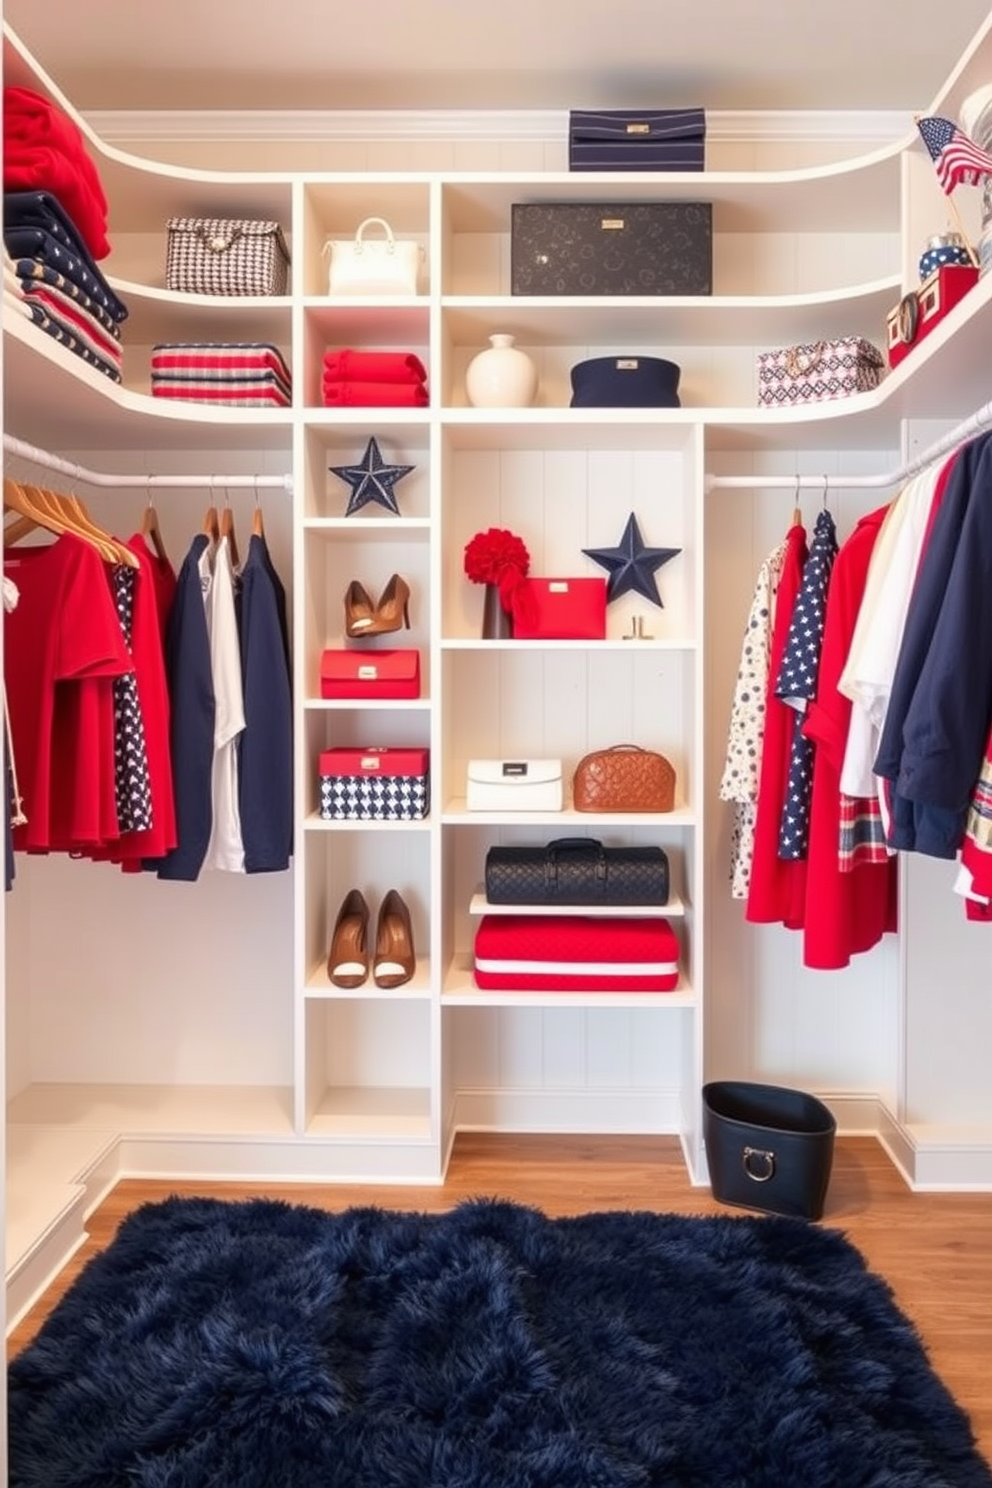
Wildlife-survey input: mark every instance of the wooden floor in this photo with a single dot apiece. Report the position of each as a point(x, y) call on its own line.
point(935, 1250)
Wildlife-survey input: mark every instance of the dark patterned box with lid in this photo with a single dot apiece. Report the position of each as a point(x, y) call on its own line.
point(611, 248)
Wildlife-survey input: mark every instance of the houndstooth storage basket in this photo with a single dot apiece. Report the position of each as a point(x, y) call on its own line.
point(374, 784)
point(818, 371)
point(225, 256)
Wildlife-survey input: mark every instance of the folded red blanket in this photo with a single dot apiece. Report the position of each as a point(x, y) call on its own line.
point(43, 150)
point(373, 366)
point(374, 394)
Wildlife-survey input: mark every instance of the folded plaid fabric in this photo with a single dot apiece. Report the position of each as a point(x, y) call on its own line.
point(36, 245)
point(34, 274)
point(71, 338)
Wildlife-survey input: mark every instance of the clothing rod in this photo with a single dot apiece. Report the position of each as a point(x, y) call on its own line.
point(976, 423)
point(38, 456)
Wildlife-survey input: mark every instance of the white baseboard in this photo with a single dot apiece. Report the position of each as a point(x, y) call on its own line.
point(930, 1159)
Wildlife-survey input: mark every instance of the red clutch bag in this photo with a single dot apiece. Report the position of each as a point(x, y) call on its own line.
point(370, 674)
point(561, 610)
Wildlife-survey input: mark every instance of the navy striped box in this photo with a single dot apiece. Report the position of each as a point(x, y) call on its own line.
point(621, 140)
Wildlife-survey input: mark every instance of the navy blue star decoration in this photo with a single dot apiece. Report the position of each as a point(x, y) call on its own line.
point(372, 480)
point(631, 566)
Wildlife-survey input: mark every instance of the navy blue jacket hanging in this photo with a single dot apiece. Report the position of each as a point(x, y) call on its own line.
point(265, 774)
point(191, 727)
point(936, 726)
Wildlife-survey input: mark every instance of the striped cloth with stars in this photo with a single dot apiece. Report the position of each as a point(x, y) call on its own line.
point(796, 683)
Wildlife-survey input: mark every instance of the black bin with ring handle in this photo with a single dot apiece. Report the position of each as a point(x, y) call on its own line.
point(768, 1147)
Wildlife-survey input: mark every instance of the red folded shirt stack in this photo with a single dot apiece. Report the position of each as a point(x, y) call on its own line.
point(43, 150)
point(374, 379)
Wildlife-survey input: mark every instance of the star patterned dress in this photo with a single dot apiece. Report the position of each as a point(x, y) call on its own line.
point(742, 766)
point(796, 683)
point(131, 780)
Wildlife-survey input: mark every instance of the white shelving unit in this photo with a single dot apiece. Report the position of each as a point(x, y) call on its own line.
point(212, 1041)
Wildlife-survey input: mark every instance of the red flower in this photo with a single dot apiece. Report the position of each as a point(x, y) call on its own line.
point(495, 555)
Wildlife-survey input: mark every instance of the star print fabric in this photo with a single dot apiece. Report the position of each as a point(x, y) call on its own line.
point(796, 683)
point(742, 766)
point(132, 786)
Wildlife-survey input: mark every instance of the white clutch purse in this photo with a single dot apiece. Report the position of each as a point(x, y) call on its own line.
point(513, 785)
point(373, 266)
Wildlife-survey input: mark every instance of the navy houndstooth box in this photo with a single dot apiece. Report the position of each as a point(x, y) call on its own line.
point(374, 784)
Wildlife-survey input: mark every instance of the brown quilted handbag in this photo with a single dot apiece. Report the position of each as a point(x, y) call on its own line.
point(623, 778)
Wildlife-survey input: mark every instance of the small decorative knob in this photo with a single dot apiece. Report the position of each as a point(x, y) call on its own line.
point(218, 244)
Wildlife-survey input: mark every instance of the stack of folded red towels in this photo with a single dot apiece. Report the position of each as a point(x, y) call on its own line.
point(374, 379)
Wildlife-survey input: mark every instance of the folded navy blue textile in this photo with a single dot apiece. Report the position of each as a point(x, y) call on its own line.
point(69, 337)
point(34, 220)
point(625, 382)
point(34, 275)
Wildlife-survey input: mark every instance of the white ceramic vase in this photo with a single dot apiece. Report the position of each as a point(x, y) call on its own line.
point(501, 377)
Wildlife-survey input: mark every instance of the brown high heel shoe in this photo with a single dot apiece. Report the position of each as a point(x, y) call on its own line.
point(393, 608)
point(348, 957)
point(359, 611)
point(395, 957)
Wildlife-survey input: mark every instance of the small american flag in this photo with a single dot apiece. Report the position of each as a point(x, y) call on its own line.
point(957, 159)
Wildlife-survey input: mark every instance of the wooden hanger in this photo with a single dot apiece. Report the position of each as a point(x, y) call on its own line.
point(70, 509)
point(257, 520)
point(31, 516)
point(797, 511)
point(153, 532)
point(227, 530)
point(117, 552)
point(37, 506)
point(211, 524)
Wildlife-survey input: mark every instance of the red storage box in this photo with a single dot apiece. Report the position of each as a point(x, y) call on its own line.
point(370, 674)
point(576, 953)
point(562, 610)
point(374, 784)
point(926, 306)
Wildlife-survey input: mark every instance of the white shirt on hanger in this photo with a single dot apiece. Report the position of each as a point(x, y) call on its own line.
point(874, 649)
point(226, 848)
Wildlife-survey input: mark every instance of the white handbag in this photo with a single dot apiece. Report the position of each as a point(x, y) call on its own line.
point(373, 266)
point(514, 785)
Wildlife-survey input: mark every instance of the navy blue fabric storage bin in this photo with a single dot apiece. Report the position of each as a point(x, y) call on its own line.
point(623, 140)
point(625, 382)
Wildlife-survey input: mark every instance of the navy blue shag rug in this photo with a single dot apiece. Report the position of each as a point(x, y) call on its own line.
point(263, 1345)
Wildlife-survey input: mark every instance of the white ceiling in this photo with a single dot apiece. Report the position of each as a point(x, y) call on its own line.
point(403, 54)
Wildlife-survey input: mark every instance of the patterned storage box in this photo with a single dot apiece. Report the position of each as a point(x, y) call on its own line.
point(225, 256)
point(600, 248)
point(818, 371)
point(374, 784)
